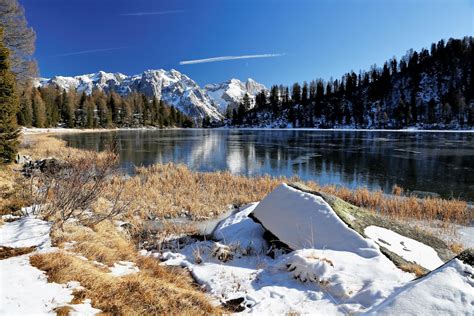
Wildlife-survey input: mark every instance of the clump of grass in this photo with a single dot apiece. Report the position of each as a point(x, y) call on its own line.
point(13, 190)
point(413, 268)
point(8, 252)
point(43, 146)
point(397, 190)
point(456, 248)
point(153, 290)
point(102, 243)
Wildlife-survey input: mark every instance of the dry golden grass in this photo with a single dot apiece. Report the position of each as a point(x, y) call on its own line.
point(413, 268)
point(13, 195)
point(102, 243)
point(153, 290)
point(63, 310)
point(402, 207)
point(8, 252)
point(456, 248)
point(172, 190)
point(43, 146)
point(397, 190)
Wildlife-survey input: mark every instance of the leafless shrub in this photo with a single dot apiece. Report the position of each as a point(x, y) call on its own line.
point(69, 190)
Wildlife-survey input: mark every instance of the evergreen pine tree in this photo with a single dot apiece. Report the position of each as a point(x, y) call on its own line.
point(25, 115)
point(39, 110)
point(89, 108)
point(9, 103)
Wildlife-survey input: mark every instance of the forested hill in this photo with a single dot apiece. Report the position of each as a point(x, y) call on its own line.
point(52, 106)
point(426, 89)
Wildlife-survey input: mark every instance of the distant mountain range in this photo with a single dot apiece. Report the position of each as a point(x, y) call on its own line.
point(171, 86)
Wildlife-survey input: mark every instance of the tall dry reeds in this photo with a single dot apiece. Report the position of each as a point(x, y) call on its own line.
point(403, 207)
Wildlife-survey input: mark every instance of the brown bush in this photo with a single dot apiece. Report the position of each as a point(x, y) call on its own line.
point(71, 188)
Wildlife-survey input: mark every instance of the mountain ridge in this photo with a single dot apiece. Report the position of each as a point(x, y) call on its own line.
point(171, 86)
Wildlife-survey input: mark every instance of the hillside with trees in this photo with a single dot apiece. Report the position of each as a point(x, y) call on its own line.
point(51, 106)
point(426, 89)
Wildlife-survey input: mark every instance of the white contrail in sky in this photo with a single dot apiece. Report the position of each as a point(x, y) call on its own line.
point(152, 13)
point(90, 51)
point(224, 58)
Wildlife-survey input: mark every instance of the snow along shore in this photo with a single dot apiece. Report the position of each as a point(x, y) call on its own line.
point(332, 269)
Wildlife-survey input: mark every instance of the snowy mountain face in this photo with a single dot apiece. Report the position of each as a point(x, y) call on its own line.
point(172, 87)
point(231, 93)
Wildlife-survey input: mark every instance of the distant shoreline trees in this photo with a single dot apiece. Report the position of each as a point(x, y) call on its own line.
point(50, 106)
point(428, 88)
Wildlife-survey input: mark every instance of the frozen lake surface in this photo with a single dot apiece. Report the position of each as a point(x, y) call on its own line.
point(438, 162)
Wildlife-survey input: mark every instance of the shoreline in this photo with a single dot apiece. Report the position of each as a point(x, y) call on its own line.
point(63, 130)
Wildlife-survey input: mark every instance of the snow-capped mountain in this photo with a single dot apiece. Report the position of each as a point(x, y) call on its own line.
point(231, 92)
point(170, 86)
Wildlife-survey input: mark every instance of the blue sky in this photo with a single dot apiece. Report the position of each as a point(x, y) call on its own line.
point(296, 40)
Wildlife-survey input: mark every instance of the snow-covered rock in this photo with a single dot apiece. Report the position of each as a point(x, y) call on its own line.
point(230, 93)
point(303, 220)
point(337, 282)
point(407, 248)
point(448, 290)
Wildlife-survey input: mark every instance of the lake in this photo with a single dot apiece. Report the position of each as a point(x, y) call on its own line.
point(440, 162)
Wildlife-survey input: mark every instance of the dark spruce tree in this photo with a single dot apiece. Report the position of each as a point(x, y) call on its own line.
point(9, 104)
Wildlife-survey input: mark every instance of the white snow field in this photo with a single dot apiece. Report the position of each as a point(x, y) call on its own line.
point(331, 270)
point(24, 289)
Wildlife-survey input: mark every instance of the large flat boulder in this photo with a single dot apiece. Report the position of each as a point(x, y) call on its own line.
point(303, 220)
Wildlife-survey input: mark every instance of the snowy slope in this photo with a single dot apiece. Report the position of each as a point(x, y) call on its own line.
point(231, 93)
point(449, 290)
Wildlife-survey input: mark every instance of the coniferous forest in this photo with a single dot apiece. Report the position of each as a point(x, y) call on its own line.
point(50, 107)
point(426, 89)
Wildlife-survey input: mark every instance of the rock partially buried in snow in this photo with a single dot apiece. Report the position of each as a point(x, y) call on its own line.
point(407, 248)
point(303, 220)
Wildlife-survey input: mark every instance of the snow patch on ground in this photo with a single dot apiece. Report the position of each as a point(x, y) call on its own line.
point(122, 268)
point(449, 290)
point(466, 235)
point(407, 248)
point(24, 289)
point(25, 232)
